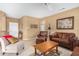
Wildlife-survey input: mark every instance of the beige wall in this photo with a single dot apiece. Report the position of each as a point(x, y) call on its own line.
point(2, 23)
point(73, 12)
point(29, 32)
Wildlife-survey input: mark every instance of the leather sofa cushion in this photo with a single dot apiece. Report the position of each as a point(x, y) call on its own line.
point(64, 36)
point(65, 41)
point(59, 35)
point(56, 39)
point(72, 35)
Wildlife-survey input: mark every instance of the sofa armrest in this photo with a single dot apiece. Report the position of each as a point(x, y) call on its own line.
point(51, 36)
point(73, 42)
point(38, 35)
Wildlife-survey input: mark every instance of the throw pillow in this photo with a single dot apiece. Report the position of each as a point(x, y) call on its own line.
point(12, 40)
point(7, 36)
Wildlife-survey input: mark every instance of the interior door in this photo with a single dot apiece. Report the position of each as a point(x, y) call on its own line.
point(13, 29)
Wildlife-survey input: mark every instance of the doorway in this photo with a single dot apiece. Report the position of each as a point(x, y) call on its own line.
point(13, 29)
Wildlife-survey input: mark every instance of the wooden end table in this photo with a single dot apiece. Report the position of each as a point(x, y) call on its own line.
point(46, 46)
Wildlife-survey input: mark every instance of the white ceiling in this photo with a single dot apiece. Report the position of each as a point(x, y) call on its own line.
point(40, 10)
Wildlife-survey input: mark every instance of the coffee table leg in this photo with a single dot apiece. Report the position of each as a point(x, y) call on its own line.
point(43, 54)
point(35, 51)
point(57, 50)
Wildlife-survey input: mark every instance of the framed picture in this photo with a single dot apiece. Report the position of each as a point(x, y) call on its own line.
point(65, 23)
point(34, 26)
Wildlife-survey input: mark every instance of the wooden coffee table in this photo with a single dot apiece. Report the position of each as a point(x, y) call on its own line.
point(46, 46)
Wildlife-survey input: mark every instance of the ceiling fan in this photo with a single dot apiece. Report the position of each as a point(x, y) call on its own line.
point(50, 7)
point(46, 4)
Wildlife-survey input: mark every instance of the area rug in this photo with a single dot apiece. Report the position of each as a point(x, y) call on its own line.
point(62, 51)
point(30, 52)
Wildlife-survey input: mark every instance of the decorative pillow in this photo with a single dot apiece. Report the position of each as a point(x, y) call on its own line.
point(7, 36)
point(12, 40)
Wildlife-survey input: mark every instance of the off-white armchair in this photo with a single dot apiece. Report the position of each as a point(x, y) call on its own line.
point(11, 48)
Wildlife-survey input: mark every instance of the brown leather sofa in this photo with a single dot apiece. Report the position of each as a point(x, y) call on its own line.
point(41, 37)
point(64, 39)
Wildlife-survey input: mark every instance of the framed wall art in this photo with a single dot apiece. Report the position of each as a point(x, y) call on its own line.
point(65, 23)
point(34, 26)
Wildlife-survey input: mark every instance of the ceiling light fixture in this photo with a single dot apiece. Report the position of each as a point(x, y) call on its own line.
point(48, 6)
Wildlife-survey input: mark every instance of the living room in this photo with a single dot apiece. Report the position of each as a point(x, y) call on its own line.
point(27, 22)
